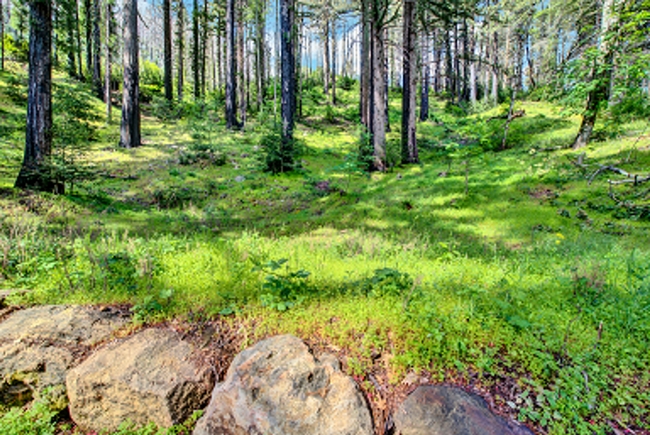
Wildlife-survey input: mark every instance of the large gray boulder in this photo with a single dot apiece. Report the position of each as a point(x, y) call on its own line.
point(279, 387)
point(39, 345)
point(153, 376)
point(439, 410)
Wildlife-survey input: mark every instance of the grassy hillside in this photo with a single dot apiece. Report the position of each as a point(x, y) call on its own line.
point(502, 270)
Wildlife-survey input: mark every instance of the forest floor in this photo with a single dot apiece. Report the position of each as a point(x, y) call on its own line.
point(504, 271)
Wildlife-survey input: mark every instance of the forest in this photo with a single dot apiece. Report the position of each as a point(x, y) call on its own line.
point(456, 190)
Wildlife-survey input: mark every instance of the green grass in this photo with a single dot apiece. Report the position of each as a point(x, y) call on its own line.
point(533, 279)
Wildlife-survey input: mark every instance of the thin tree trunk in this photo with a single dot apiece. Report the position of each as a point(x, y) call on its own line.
point(168, 61)
point(97, 60)
point(495, 68)
point(326, 56)
point(288, 84)
point(231, 74)
point(260, 49)
point(378, 94)
point(366, 67)
point(333, 31)
point(473, 69)
point(130, 129)
point(409, 68)
point(426, 78)
point(241, 63)
point(78, 47)
point(107, 80)
point(2, 38)
point(38, 136)
point(89, 37)
point(180, 41)
point(195, 51)
point(204, 46)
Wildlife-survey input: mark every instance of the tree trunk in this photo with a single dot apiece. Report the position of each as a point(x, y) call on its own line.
point(2, 38)
point(203, 53)
point(495, 69)
point(180, 41)
point(89, 37)
point(231, 74)
point(333, 32)
point(38, 136)
point(195, 51)
point(409, 68)
point(288, 87)
point(107, 80)
point(426, 79)
point(259, 52)
point(599, 95)
point(326, 56)
point(168, 61)
point(378, 94)
point(130, 130)
point(241, 63)
point(97, 60)
point(366, 67)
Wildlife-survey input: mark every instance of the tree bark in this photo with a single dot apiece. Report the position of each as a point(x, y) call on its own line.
point(326, 55)
point(288, 87)
point(168, 61)
point(195, 51)
point(38, 135)
point(366, 67)
point(130, 129)
point(241, 64)
point(333, 81)
point(426, 79)
point(231, 74)
point(378, 92)
point(260, 47)
point(107, 80)
point(2, 38)
point(409, 67)
point(180, 41)
point(89, 37)
point(97, 60)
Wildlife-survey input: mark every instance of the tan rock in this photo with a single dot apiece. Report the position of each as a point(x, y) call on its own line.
point(39, 345)
point(150, 377)
point(279, 387)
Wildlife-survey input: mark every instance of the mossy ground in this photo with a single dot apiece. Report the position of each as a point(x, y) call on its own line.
point(478, 266)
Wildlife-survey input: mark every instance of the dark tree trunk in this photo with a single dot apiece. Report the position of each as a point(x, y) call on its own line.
point(231, 73)
point(260, 24)
point(195, 50)
point(333, 31)
point(2, 38)
point(288, 87)
point(167, 36)
point(426, 79)
point(203, 54)
point(89, 37)
point(409, 67)
point(97, 62)
point(107, 80)
point(241, 64)
point(364, 98)
point(130, 130)
point(38, 136)
point(326, 55)
point(180, 41)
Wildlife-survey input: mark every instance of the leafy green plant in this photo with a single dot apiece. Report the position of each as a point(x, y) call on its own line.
point(153, 306)
point(284, 287)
